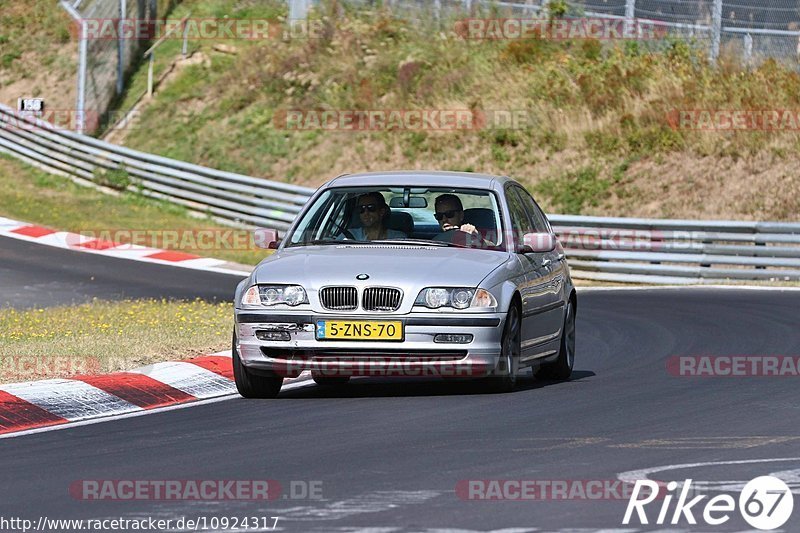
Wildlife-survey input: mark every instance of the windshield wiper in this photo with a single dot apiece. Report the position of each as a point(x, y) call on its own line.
point(317, 242)
point(416, 241)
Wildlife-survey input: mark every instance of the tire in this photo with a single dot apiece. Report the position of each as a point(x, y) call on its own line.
point(561, 368)
point(504, 378)
point(251, 385)
point(330, 381)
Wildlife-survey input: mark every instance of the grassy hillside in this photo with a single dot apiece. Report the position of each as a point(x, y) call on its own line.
point(36, 57)
point(600, 139)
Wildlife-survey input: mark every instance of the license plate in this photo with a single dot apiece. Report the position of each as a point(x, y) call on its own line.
point(359, 330)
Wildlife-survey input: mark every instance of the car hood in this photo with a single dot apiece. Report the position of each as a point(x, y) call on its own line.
point(391, 265)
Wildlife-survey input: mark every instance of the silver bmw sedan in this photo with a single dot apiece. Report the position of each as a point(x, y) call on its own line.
point(420, 274)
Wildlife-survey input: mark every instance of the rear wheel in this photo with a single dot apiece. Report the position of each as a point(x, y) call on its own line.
point(251, 385)
point(561, 368)
point(504, 378)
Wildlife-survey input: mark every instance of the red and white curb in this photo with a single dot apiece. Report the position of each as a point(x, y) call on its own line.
point(81, 243)
point(58, 402)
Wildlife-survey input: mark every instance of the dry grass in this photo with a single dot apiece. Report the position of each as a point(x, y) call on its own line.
point(102, 336)
point(595, 109)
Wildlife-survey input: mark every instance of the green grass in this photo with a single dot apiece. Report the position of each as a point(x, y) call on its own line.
point(101, 336)
point(574, 191)
point(30, 195)
point(36, 26)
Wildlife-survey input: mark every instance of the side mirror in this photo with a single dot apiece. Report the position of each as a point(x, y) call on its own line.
point(266, 238)
point(538, 242)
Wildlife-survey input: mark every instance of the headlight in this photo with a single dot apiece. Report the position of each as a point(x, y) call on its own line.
point(267, 295)
point(455, 297)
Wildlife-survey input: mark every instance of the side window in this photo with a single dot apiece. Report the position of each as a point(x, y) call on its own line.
point(537, 217)
point(520, 223)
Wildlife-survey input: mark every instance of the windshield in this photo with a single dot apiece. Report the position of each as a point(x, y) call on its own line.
point(432, 216)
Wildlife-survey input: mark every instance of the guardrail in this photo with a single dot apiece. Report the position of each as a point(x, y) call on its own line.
point(679, 251)
point(225, 195)
point(598, 248)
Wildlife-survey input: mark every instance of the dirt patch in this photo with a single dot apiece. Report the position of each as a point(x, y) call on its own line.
point(55, 83)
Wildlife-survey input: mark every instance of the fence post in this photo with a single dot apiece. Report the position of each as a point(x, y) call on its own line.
point(748, 49)
point(123, 13)
point(630, 14)
point(185, 47)
point(298, 10)
point(83, 53)
point(150, 74)
point(716, 29)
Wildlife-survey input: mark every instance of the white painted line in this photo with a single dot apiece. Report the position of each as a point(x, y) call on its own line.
point(689, 287)
point(144, 412)
point(68, 241)
point(189, 378)
point(6, 224)
point(70, 399)
point(632, 476)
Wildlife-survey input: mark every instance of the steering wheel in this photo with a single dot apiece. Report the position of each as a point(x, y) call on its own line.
point(348, 235)
point(454, 235)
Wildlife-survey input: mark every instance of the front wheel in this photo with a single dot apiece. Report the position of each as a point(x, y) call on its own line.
point(561, 368)
point(504, 378)
point(251, 385)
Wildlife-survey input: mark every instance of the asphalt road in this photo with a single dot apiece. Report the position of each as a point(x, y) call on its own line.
point(390, 453)
point(33, 275)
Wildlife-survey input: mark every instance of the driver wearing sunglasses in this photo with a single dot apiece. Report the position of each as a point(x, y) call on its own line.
point(450, 215)
point(373, 213)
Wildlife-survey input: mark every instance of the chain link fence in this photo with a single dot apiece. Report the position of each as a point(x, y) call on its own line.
point(754, 30)
point(104, 62)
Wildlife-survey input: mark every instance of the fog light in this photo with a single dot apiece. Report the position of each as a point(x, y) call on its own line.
point(273, 335)
point(453, 338)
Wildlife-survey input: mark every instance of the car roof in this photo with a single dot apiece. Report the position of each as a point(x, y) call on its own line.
point(418, 178)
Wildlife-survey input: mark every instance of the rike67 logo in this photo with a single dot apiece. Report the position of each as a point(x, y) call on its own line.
point(766, 503)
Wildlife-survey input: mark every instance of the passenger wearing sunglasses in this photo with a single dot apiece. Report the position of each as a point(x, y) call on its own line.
point(450, 215)
point(373, 213)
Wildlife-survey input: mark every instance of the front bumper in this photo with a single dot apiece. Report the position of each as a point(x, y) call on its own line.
point(417, 355)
